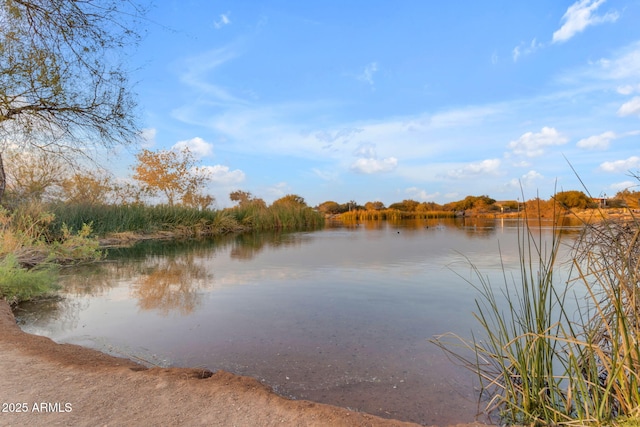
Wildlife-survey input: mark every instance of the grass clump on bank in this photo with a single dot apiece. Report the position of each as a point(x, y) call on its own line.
point(20, 284)
point(541, 363)
point(30, 253)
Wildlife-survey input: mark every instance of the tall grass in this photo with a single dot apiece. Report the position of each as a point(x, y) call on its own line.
point(392, 214)
point(540, 363)
point(106, 219)
point(109, 219)
point(288, 216)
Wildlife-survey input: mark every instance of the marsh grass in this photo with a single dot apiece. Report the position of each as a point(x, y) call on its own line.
point(188, 222)
point(392, 214)
point(556, 351)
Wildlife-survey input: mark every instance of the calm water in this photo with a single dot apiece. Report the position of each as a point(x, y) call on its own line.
point(340, 316)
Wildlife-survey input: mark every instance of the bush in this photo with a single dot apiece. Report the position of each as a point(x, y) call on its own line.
point(20, 284)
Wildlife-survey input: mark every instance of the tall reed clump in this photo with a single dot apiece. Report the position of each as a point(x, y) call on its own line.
point(252, 216)
point(287, 216)
point(392, 214)
point(541, 363)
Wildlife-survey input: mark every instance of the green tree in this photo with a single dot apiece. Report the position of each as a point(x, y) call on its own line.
point(64, 87)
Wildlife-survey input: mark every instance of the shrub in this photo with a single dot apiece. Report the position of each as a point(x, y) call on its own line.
point(20, 284)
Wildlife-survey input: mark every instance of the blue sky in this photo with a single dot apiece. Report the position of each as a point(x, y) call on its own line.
point(380, 100)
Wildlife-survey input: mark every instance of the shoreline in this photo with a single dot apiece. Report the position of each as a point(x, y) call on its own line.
point(53, 383)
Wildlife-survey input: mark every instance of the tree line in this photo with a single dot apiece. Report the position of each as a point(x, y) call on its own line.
point(572, 199)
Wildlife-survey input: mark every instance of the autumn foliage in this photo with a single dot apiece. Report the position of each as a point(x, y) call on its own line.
point(173, 174)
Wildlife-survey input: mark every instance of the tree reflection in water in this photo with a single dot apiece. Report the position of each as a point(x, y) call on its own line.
point(172, 284)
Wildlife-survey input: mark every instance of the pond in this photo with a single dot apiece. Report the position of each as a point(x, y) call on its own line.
point(340, 316)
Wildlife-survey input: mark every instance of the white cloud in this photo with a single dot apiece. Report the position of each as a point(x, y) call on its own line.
point(368, 161)
point(371, 165)
point(221, 174)
point(579, 16)
point(621, 166)
point(526, 180)
point(367, 74)
point(484, 167)
point(533, 144)
point(420, 194)
point(597, 142)
point(628, 89)
point(529, 177)
point(624, 185)
point(197, 146)
point(630, 108)
point(224, 20)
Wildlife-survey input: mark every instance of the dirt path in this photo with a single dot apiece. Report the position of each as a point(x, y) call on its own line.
point(44, 383)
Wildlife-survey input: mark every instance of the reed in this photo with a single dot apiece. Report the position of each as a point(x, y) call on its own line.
point(540, 363)
point(258, 217)
point(189, 222)
point(107, 219)
point(392, 214)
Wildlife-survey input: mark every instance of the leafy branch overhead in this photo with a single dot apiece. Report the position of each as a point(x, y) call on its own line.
point(63, 83)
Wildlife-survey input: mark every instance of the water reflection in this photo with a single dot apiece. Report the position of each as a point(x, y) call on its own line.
point(171, 284)
point(340, 316)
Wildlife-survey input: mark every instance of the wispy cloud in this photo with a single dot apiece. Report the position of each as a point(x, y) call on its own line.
point(197, 74)
point(579, 16)
point(367, 74)
point(484, 167)
point(597, 142)
point(222, 21)
point(533, 144)
point(525, 49)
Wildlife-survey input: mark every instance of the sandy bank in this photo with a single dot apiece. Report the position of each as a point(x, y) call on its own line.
point(64, 384)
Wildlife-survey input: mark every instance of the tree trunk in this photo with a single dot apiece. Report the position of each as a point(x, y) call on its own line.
point(3, 178)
